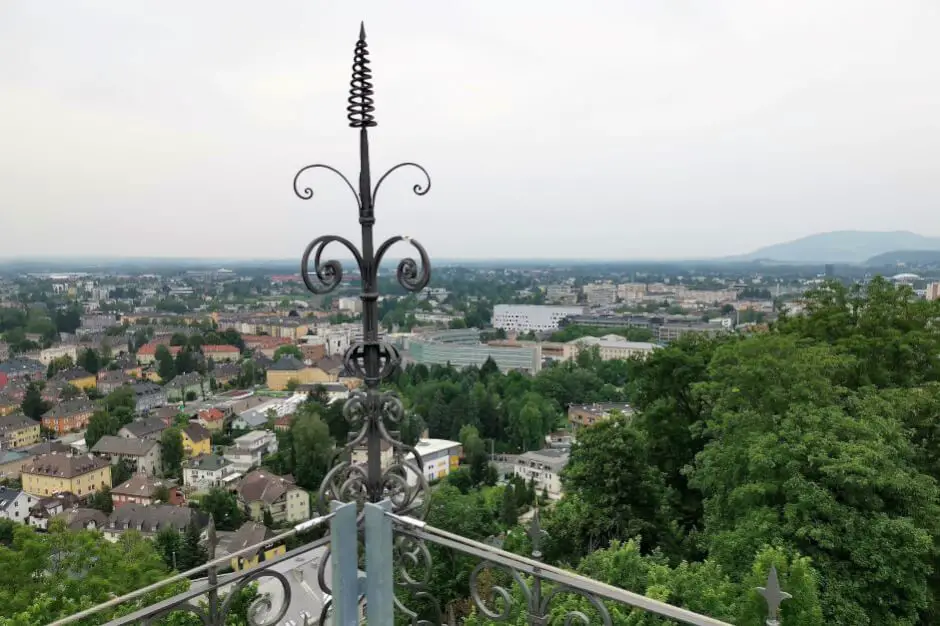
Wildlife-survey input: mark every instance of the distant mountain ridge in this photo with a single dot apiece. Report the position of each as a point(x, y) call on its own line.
point(843, 246)
point(905, 257)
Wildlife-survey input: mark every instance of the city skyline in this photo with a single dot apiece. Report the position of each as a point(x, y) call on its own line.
point(610, 132)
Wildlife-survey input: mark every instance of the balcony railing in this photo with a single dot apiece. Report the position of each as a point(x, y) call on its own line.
point(322, 582)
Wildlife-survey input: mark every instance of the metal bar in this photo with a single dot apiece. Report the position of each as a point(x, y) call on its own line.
point(531, 567)
point(190, 573)
point(224, 581)
point(380, 576)
point(344, 556)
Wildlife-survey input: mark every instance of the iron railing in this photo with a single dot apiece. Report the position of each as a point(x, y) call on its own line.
point(386, 506)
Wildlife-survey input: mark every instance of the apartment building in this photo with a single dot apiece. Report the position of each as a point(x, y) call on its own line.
point(609, 347)
point(68, 416)
point(54, 473)
point(531, 317)
point(145, 489)
point(262, 492)
point(600, 294)
point(18, 431)
point(250, 449)
point(205, 472)
point(142, 454)
point(439, 457)
point(544, 467)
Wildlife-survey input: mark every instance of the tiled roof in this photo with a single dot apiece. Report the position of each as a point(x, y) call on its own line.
point(249, 534)
point(15, 421)
point(286, 364)
point(73, 373)
point(197, 432)
point(151, 349)
point(141, 485)
point(207, 462)
point(264, 486)
point(153, 518)
point(69, 407)
point(111, 444)
point(145, 427)
point(220, 348)
point(64, 465)
point(211, 415)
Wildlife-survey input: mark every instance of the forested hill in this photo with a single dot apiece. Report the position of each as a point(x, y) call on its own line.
point(814, 447)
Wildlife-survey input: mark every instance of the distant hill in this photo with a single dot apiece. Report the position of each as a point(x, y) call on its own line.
point(843, 246)
point(913, 258)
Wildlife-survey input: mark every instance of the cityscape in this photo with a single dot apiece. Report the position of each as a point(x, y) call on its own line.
point(678, 364)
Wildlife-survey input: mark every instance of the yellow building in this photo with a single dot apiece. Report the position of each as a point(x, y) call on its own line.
point(18, 431)
point(78, 377)
point(249, 534)
point(8, 405)
point(53, 473)
point(196, 440)
point(288, 368)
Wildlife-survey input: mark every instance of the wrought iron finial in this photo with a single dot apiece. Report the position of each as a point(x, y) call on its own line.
point(536, 534)
point(773, 595)
point(360, 88)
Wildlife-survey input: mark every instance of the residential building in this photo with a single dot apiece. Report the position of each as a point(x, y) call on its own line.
point(84, 519)
point(250, 449)
point(439, 457)
point(283, 423)
point(145, 489)
point(544, 467)
point(531, 317)
point(9, 404)
point(313, 352)
point(191, 385)
point(561, 294)
point(45, 509)
point(149, 396)
point(670, 331)
point(212, 419)
point(53, 473)
point(196, 440)
point(224, 373)
point(68, 416)
point(221, 352)
point(600, 294)
point(609, 347)
point(15, 504)
point(253, 533)
point(204, 472)
point(48, 355)
point(98, 323)
point(147, 353)
point(145, 428)
point(12, 463)
point(21, 368)
point(288, 368)
point(580, 415)
point(18, 431)
point(150, 520)
point(252, 419)
point(261, 491)
point(932, 292)
point(334, 391)
point(142, 454)
point(266, 344)
point(111, 380)
point(77, 377)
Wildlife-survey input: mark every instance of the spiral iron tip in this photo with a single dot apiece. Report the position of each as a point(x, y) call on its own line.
point(359, 111)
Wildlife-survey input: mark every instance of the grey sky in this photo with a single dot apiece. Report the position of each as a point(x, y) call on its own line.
point(551, 129)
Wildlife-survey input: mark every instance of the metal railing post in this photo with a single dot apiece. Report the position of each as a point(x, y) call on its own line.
point(380, 575)
point(344, 554)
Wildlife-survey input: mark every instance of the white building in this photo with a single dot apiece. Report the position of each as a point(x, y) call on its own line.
point(535, 317)
point(206, 471)
point(933, 291)
point(609, 346)
point(250, 448)
point(15, 503)
point(600, 294)
point(439, 457)
point(349, 305)
point(48, 355)
point(544, 467)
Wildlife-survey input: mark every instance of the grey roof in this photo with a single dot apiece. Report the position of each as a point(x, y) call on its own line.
point(21, 365)
point(145, 427)
point(197, 432)
point(185, 380)
point(15, 421)
point(141, 389)
point(207, 462)
point(73, 373)
point(249, 534)
point(155, 517)
point(79, 518)
point(7, 496)
point(253, 418)
point(141, 485)
point(111, 444)
point(554, 458)
point(263, 485)
point(48, 447)
point(69, 407)
point(286, 364)
point(64, 465)
point(9, 456)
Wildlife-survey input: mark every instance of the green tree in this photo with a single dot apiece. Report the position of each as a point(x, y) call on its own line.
point(59, 364)
point(224, 509)
point(288, 350)
point(509, 513)
point(100, 424)
point(89, 360)
point(171, 450)
point(33, 405)
point(101, 500)
point(166, 368)
point(312, 446)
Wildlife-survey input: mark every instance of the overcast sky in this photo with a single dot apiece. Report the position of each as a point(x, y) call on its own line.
point(637, 129)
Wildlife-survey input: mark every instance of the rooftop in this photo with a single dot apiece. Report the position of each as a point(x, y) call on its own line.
point(64, 465)
point(112, 444)
point(207, 462)
point(141, 485)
